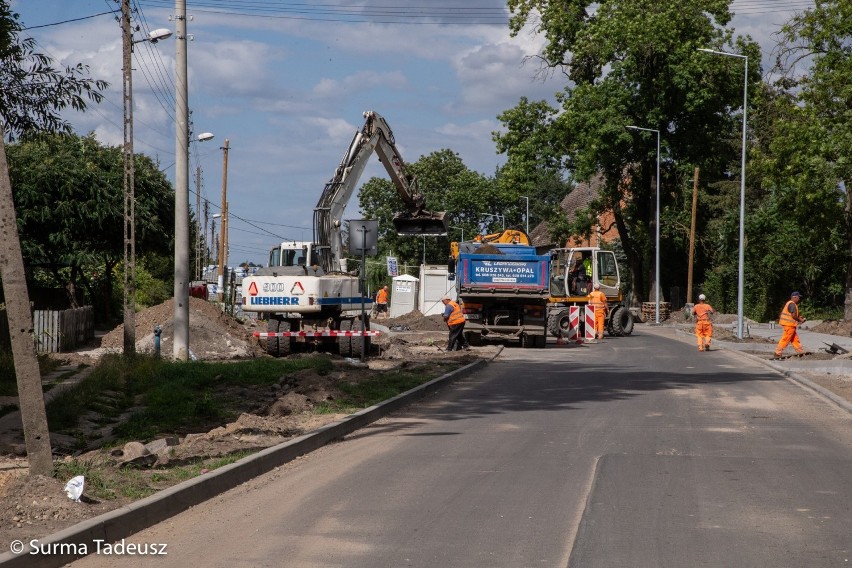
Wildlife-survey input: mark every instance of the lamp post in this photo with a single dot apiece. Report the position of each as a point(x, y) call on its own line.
point(199, 235)
point(130, 174)
point(657, 223)
point(460, 228)
point(740, 272)
point(223, 233)
point(527, 216)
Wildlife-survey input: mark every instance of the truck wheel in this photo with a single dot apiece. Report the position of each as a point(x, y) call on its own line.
point(344, 342)
point(527, 341)
point(272, 326)
point(559, 322)
point(285, 344)
point(622, 322)
point(360, 342)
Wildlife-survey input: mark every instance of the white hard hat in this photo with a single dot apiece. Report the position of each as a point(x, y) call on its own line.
point(702, 297)
point(597, 286)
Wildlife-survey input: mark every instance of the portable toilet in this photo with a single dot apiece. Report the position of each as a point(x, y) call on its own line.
point(403, 295)
point(435, 283)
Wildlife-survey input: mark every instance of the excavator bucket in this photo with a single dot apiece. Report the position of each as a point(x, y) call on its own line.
point(424, 224)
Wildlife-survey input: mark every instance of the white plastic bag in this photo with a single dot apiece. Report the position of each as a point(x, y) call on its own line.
point(74, 488)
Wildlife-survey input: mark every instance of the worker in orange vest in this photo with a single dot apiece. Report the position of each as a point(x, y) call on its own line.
point(790, 320)
point(455, 321)
point(382, 303)
point(703, 325)
point(597, 302)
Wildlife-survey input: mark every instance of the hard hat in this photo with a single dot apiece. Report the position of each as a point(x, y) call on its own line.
point(597, 286)
point(702, 297)
point(445, 298)
point(794, 294)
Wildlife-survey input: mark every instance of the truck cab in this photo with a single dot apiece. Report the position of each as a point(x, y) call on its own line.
point(574, 271)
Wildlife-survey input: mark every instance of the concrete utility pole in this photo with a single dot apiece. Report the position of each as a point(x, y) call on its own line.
point(27, 374)
point(129, 186)
point(198, 223)
point(223, 244)
point(180, 340)
point(692, 237)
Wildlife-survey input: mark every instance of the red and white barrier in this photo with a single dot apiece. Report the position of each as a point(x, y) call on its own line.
point(326, 333)
point(574, 323)
point(590, 323)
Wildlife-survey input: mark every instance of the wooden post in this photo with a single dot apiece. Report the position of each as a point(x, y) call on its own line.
point(692, 237)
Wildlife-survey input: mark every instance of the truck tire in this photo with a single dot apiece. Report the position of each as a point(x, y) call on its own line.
point(559, 322)
point(344, 342)
point(273, 325)
point(621, 322)
point(527, 341)
point(360, 342)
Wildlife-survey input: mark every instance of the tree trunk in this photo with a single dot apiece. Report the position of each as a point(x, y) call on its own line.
point(30, 396)
point(633, 258)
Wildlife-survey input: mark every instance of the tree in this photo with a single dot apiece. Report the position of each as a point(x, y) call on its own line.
point(69, 194)
point(448, 185)
point(822, 36)
point(631, 62)
point(33, 94)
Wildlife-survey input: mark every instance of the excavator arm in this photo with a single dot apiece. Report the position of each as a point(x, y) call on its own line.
point(376, 136)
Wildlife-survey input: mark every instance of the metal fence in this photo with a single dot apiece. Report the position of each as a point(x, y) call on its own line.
point(56, 331)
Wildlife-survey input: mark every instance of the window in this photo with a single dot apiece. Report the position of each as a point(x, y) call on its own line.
point(607, 268)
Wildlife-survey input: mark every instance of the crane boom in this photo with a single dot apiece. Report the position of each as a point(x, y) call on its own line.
point(374, 136)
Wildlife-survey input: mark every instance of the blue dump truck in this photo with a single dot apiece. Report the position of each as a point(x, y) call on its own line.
point(504, 292)
point(511, 290)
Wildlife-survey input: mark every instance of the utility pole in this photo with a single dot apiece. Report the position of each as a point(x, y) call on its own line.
point(223, 244)
point(27, 373)
point(180, 340)
point(198, 222)
point(692, 237)
point(129, 186)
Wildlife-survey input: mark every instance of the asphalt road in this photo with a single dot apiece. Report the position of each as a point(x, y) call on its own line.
point(637, 451)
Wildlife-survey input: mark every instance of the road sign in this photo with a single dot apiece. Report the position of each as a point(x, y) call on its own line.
point(393, 267)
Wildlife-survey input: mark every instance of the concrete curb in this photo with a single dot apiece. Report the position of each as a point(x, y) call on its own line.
point(788, 374)
point(68, 545)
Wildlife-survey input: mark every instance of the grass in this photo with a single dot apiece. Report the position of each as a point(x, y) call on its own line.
point(176, 396)
point(8, 382)
point(380, 387)
point(134, 484)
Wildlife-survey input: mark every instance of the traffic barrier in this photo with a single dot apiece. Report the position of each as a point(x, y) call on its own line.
point(327, 333)
point(590, 323)
point(574, 324)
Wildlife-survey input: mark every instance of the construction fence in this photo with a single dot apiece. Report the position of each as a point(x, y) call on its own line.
point(55, 331)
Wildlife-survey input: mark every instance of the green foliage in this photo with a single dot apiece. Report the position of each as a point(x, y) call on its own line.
point(69, 200)
point(35, 93)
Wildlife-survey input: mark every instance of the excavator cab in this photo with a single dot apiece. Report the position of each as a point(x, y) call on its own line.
point(421, 225)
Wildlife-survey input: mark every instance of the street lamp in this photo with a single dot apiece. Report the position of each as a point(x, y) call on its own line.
point(199, 235)
point(130, 174)
point(527, 217)
point(740, 273)
point(223, 233)
point(657, 239)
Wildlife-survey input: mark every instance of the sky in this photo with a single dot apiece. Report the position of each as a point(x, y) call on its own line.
point(286, 83)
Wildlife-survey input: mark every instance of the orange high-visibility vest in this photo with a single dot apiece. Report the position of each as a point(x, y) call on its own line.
point(597, 300)
point(382, 297)
point(702, 312)
point(788, 318)
point(456, 317)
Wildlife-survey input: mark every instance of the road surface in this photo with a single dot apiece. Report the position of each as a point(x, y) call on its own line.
point(638, 451)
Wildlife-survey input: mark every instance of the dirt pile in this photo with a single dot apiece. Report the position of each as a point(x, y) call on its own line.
point(833, 327)
point(415, 321)
point(212, 333)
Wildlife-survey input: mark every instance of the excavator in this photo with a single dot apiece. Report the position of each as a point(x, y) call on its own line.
point(306, 291)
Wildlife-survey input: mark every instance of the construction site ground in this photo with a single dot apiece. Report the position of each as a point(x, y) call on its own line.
point(34, 507)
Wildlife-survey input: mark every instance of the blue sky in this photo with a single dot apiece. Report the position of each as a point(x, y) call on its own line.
point(287, 87)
